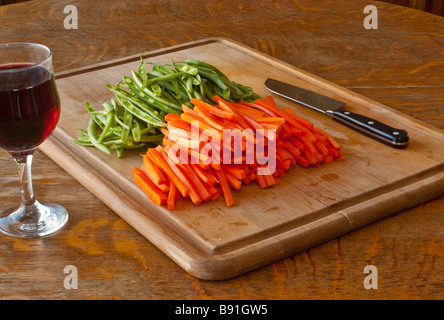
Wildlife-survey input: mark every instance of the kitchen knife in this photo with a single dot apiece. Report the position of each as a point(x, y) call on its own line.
point(333, 108)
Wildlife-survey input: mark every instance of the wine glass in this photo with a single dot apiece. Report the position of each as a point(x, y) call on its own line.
point(29, 111)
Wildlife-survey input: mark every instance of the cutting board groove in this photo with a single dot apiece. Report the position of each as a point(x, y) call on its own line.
point(310, 206)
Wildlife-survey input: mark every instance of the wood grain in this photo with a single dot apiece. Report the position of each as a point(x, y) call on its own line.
point(400, 65)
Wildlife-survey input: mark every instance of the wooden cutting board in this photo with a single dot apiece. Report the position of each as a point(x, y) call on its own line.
point(310, 206)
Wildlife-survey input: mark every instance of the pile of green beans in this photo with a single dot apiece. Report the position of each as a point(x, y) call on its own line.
point(132, 120)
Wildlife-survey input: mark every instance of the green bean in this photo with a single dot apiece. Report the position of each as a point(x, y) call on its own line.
point(139, 113)
point(151, 138)
point(109, 121)
point(151, 81)
point(128, 120)
point(148, 130)
point(97, 117)
point(92, 132)
point(142, 69)
point(135, 146)
point(117, 141)
point(201, 65)
point(122, 124)
point(157, 90)
point(119, 151)
point(136, 131)
point(135, 100)
point(214, 78)
point(138, 107)
point(152, 98)
point(83, 143)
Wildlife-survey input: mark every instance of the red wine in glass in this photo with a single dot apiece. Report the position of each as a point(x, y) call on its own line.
point(29, 109)
point(29, 112)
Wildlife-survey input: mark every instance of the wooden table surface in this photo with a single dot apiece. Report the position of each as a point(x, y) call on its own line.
point(400, 64)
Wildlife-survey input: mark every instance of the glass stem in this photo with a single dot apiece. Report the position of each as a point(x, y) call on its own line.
point(24, 163)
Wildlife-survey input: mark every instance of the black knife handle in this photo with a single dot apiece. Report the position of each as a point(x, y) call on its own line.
point(397, 138)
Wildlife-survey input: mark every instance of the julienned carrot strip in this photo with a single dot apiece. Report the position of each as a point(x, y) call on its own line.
point(171, 116)
point(249, 111)
point(186, 109)
point(328, 158)
point(233, 181)
point(236, 172)
point(194, 120)
point(258, 106)
point(212, 110)
point(328, 136)
point(276, 120)
point(270, 99)
point(212, 190)
point(273, 126)
point(269, 180)
point(320, 138)
point(307, 124)
point(216, 166)
point(310, 136)
point(303, 161)
point(194, 179)
point(266, 180)
point(204, 166)
point(295, 152)
point(247, 181)
point(215, 196)
point(150, 189)
point(154, 155)
point(318, 145)
point(226, 191)
point(193, 193)
point(179, 123)
point(298, 144)
point(205, 175)
point(163, 186)
point(242, 166)
point(252, 176)
point(172, 196)
point(272, 107)
point(225, 105)
point(284, 164)
point(286, 155)
point(252, 123)
point(334, 152)
point(155, 171)
point(180, 140)
point(276, 180)
point(198, 158)
point(286, 131)
point(229, 124)
point(215, 123)
point(269, 134)
point(176, 132)
point(304, 139)
point(261, 181)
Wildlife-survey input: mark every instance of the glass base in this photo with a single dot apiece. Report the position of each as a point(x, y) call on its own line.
point(31, 221)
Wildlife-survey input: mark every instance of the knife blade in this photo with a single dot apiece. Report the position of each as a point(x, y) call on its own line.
point(333, 108)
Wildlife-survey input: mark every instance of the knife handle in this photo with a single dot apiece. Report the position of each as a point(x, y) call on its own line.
point(397, 138)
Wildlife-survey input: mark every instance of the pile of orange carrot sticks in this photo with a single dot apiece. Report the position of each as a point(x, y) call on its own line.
point(197, 161)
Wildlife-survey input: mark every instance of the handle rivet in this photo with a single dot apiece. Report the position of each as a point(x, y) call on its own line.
point(396, 133)
point(346, 112)
point(370, 122)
